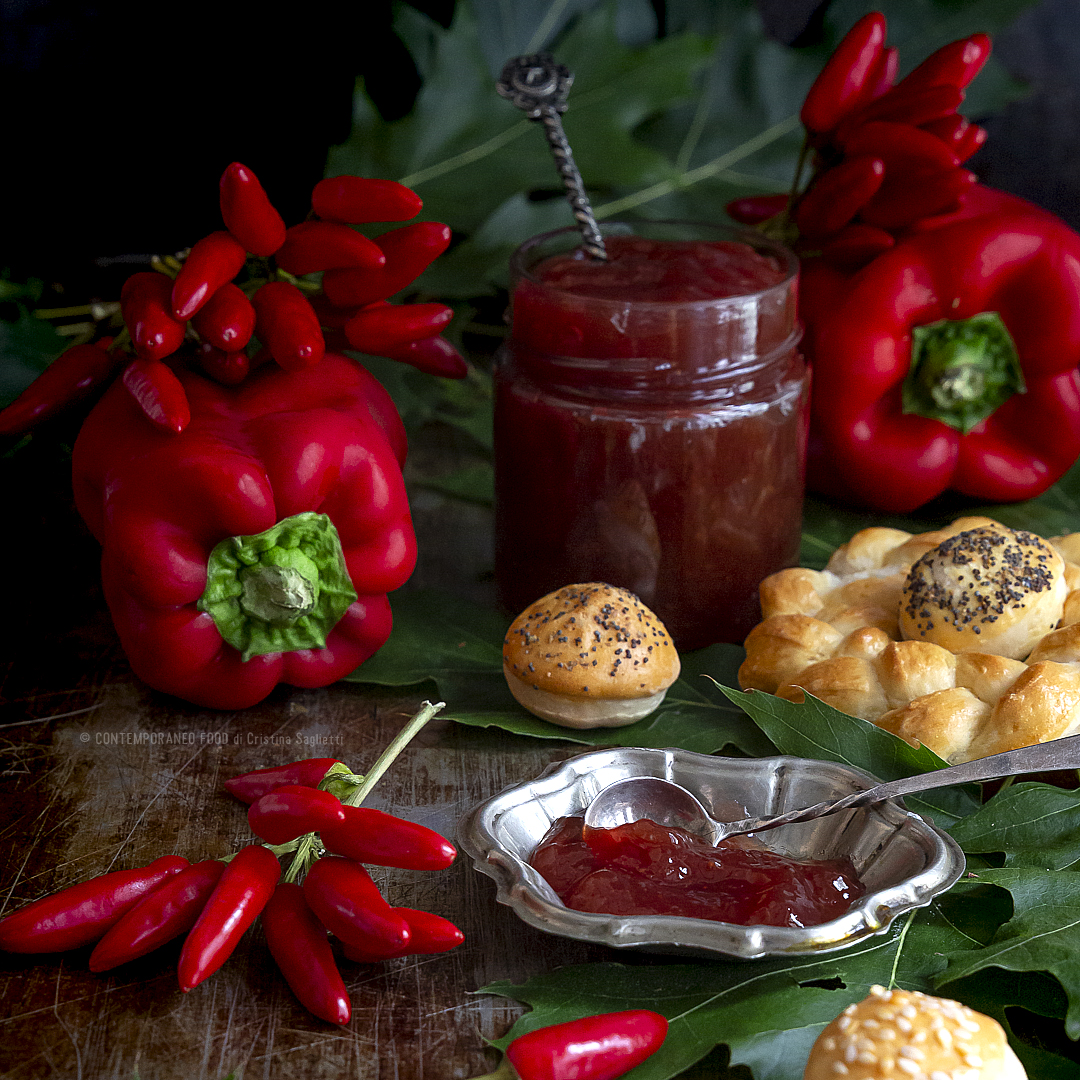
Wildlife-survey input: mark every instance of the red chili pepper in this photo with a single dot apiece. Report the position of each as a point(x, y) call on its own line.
point(248, 213)
point(71, 376)
point(370, 836)
point(428, 934)
point(379, 327)
point(301, 950)
point(146, 306)
point(288, 812)
point(348, 903)
point(242, 892)
point(902, 105)
point(214, 260)
point(159, 394)
point(409, 251)
point(837, 195)
point(909, 195)
point(252, 786)
point(973, 138)
point(433, 355)
point(313, 246)
point(855, 245)
point(955, 64)
point(899, 146)
point(81, 914)
point(227, 319)
point(227, 368)
point(287, 323)
point(305, 460)
point(354, 200)
point(166, 913)
point(846, 77)
point(945, 404)
point(592, 1048)
point(754, 209)
point(883, 75)
point(960, 136)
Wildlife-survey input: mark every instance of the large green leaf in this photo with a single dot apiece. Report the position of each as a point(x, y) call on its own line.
point(1042, 935)
point(1035, 825)
point(458, 646)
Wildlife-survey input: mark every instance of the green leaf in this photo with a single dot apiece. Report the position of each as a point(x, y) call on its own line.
point(27, 347)
point(1035, 825)
point(1042, 935)
point(813, 729)
point(458, 646)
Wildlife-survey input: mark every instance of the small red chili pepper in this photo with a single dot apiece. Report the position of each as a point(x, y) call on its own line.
point(227, 319)
point(288, 812)
point(81, 914)
point(159, 394)
point(754, 209)
point(146, 306)
point(379, 327)
point(914, 194)
point(883, 75)
point(252, 786)
point(855, 245)
point(248, 213)
point(433, 355)
point(227, 368)
point(72, 375)
point(592, 1048)
point(409, 251)
point(973, 138)
point(348, 903)
point(287, 323)
point(906, 106)
point(354, 200)
point(313, 246)
point(955, 64)
point(166, 913)
point(241, 894)
point(428, 934)
point(370, 836)
point(899, 146)
point(847, 75)
point(301, 950)
point(837, 195)
point(214, 260)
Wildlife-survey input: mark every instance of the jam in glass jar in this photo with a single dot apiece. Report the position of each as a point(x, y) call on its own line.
point(650, 422)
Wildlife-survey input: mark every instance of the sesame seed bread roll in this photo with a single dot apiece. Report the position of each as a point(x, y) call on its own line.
point(905, 1035)
point(589, 656)
point(989, 590)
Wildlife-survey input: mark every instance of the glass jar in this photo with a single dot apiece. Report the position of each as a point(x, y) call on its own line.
point(650, 422)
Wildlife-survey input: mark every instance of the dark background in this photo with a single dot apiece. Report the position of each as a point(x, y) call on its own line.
point(119, 124)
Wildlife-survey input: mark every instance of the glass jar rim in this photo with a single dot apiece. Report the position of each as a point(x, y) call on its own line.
point(520, 267)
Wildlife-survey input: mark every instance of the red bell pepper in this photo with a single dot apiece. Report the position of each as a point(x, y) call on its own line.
point(949, 361)
point(258, 545)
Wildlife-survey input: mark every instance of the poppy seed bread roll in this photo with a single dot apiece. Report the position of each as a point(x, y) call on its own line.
point(990, 589)
point(588, 656)
point(905, 1035)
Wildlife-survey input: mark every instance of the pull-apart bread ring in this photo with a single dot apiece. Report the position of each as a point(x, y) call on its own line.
point(965, 639)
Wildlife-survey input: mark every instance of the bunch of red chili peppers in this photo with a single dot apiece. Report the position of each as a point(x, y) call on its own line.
point(296, 809)
point(942, 318)
point(249, 283)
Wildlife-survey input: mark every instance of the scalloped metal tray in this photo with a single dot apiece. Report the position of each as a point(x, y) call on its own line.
point(904, 860)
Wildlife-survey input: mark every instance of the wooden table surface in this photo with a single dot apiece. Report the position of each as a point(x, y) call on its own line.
point(98, 772)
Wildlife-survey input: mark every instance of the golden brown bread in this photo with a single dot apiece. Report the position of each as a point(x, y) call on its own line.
point(588, 656)
point(905, 1035)
point(838, 634)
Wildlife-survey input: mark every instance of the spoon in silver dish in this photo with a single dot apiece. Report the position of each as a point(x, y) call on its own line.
point(667, 803)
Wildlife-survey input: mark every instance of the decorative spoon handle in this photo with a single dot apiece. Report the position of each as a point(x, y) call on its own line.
point(539, 86)
point(1042, 757)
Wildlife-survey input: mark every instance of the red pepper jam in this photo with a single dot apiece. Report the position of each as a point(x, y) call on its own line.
point(650, 428)
point(647, 869)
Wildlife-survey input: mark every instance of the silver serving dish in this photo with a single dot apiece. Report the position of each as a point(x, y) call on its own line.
point(903, 860)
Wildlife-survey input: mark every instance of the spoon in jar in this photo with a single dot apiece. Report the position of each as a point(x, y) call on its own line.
point(667, 803)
